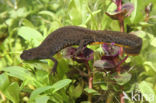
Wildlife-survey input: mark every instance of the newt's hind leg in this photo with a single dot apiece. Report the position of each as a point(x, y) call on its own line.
point(82, 44)
point(53, 70)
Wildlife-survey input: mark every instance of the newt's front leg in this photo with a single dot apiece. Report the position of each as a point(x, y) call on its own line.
point(53, 70)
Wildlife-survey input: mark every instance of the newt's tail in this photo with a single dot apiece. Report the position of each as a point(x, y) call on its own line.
point(132, 44)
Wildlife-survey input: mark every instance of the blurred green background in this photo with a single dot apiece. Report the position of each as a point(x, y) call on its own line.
point(25, 23)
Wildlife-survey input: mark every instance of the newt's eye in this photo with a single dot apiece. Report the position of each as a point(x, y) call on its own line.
point(29, 53)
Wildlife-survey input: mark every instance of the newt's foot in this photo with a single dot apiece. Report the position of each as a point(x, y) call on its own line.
point(53, 71)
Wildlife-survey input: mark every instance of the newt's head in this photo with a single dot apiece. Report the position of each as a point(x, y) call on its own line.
point(35, 53)
point(28, 55)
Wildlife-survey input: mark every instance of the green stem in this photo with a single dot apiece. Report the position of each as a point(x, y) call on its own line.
point(110, 98)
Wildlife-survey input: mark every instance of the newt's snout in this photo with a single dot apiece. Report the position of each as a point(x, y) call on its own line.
point(27, 55)
point(22, 56)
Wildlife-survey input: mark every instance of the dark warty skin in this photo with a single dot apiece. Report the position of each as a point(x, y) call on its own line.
point(74, 35)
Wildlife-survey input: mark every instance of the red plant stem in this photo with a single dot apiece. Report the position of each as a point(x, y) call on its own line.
point(121, 98)
point(121, 21)
point(90, 81)
point(120, 17)
point(119, 5)
point(122, 29)
point(118, 70)
point(118, 66)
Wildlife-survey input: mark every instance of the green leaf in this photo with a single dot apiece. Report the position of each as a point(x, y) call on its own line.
point(47, 13)
point(55, 87)
point(42, 99)
point(145, 24)
point(111, 7)
point(77, 91)
point(21, 12)
point(137, 14)
point(91, 91)
point(150, 64)
point(18, 72)
point(147, 91)
point(60, 84)
point(140, 33)
point(12, 92)
point(76, 19)
point(28, 23)
point(133, 15)
point(104, 87)
point(89, 17)
point(122, 79)
point(30, 34)
point(4, 81)
point(85, 102)
point(62, 66)
point(153, 42)
point(36, 92)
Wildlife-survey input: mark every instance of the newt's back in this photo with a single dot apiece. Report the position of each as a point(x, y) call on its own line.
point(73, 35)
point(66, 36)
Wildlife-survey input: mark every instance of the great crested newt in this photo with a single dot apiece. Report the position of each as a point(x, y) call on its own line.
point(74, 35)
